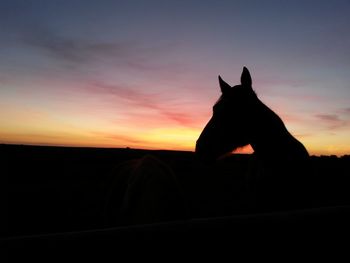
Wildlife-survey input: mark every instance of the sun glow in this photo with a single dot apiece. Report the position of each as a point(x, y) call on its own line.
point(174, 139)
point(244, 150)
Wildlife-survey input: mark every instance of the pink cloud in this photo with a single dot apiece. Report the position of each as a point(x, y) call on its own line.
point(153, 101)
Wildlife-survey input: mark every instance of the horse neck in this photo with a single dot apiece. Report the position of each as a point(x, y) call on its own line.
point(271, 139)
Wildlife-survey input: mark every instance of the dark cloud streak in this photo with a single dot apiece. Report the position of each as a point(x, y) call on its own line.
point(332, 121)
point(118, 54)
point(76, 50)
point(347, 110)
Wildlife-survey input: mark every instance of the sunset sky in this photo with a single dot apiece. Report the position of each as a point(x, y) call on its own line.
point(143, 74)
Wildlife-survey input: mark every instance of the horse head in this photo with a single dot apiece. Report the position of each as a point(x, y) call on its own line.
point(232, 122)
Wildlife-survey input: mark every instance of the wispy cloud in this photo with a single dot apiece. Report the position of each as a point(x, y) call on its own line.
point(75, 50)
point(118, 138)
point(346, 110)
point(125, 54)
point(154, 101)
point(328, 117)
point(303, 135)
point(332, 121)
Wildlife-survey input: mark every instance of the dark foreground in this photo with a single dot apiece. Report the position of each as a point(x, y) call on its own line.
point(57, 196)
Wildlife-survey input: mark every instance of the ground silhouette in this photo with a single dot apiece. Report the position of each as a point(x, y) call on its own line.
point(57, 200)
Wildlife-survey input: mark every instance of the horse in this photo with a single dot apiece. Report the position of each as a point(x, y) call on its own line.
point(278, 178)
point(144, 191)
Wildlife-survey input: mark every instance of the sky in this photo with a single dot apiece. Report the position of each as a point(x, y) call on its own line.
point(143, 74)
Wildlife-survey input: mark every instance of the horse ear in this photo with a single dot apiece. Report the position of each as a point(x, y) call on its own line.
point(224, 86)
point(246, 79)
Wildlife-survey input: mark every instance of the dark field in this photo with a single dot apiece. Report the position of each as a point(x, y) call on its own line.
point(57, 189)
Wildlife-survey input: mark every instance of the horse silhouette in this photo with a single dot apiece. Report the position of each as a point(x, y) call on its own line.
point(279, 177)
point(144, 190)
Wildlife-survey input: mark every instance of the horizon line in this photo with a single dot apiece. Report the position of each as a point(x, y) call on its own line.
point(143, 149)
